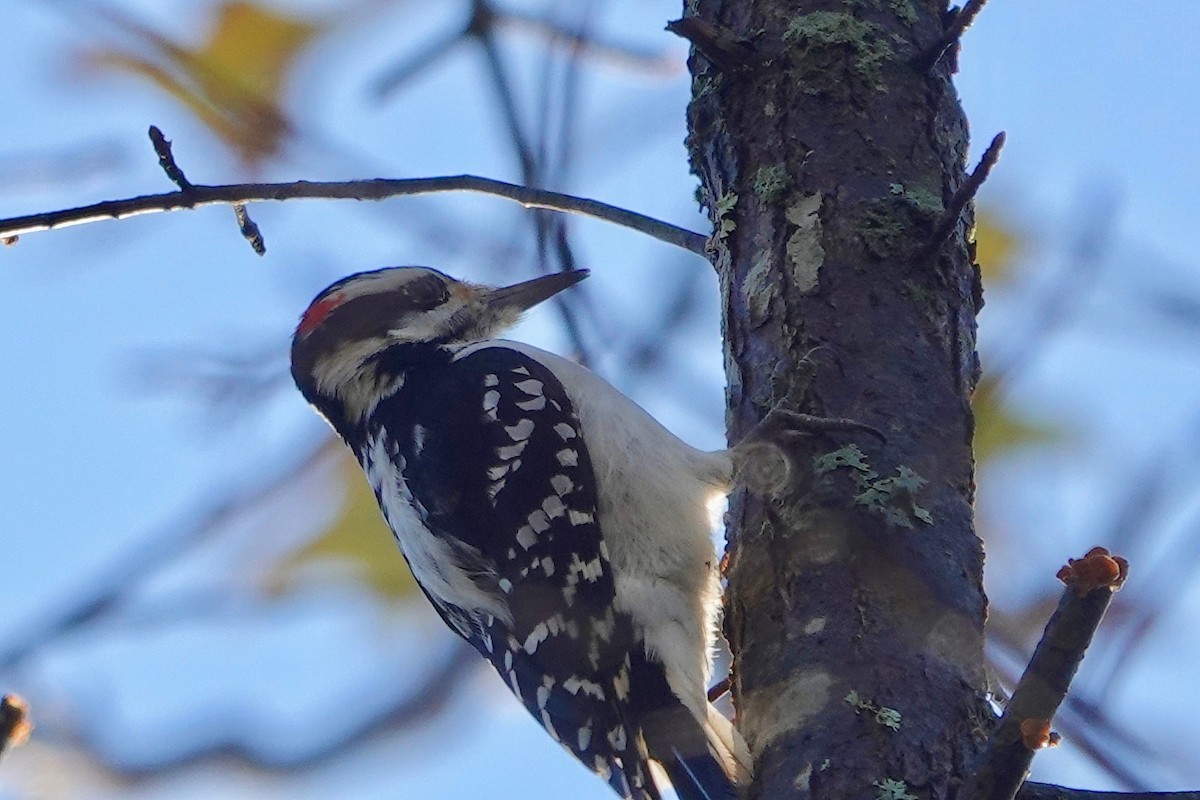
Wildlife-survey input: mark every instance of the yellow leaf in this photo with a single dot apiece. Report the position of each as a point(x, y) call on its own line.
point(253, 48)
point(234, 80)
point(358, 538)
point(996, 246)
point(998, 429)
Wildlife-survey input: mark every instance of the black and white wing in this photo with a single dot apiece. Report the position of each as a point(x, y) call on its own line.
point(494, 502)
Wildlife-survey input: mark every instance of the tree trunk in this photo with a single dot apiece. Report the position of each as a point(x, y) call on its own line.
point(855, 606)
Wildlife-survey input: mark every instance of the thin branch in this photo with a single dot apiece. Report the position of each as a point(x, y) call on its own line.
point(591, 45)
point(166, 160)
point(411, 66)
point(485, 15)
point(482, 32)
point(962, 20)
point(15, 725)
point(1085, 720)
point(965, 194)
point(720, 689)
point(1048, 791)
point(249, 229)
point(531, 161)
point(1169, 571)
point(554, 156)
point(115, 578)
point(368, 189)
point(433, 695)
point(1025, 726)
point(230, 385)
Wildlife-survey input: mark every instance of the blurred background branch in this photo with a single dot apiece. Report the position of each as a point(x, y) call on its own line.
point(204, 601)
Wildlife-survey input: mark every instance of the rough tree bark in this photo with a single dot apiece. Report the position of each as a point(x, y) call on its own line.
point(828, 154)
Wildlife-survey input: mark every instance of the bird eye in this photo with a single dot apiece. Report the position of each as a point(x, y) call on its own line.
point(426, 292)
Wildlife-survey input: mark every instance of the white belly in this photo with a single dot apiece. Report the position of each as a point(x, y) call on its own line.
point(654, 494)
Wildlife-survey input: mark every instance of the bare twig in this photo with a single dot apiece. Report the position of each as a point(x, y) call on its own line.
point(249, 229)
point(1025, 726)
point(1166, 573)
point(720, 689)
point(954, 31)
point(230, 385)
point(404, 71)
point(1048, 791)
point(166, 160)
point(591, 45)
point(436, 689)
point(1084, 719)
point(548, 230)
point(114, 579)
point(484, 14)
point(369, 189)
point(15, 725)
point(965, 194)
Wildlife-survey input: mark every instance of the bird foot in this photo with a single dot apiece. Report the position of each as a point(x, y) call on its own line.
point(784, 425)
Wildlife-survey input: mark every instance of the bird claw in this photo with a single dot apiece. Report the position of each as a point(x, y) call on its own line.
point(762, 461)
point(784, 424)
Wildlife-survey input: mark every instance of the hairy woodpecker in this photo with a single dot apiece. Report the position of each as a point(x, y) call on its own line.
point(552, 522)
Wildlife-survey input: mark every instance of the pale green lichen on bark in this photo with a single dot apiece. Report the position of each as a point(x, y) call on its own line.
point(705, 84)
point(804, 249)
point(881, 228)
point(922, 199)
point(886, 224)
point(801, 781)
point(929, 302)
point(849, 456)
point(757, 290)
point(894, 498)
point(892, 789)
point(818, 35)
point(723, 225)
point(723, 261)
point(887, 717)
point(903, 9)
point(771, 182)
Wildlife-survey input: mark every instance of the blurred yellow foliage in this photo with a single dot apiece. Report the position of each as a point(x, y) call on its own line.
point(996, 246)
point(233, 81)
point(358, 537)
point(998, 429)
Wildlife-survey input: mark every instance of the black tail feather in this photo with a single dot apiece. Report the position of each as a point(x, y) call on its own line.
point(699, 777)
point(674, 737)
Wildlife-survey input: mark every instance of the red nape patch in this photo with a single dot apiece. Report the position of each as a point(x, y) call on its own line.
point(317, 313)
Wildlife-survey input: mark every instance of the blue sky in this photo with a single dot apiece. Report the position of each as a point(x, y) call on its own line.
point(1098, 99)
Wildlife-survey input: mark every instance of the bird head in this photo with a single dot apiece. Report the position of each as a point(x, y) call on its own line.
point(359, 317)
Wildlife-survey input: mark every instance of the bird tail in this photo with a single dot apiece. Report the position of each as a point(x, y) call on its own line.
point(704, 761)
point(728, 745)
point(699, 777)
